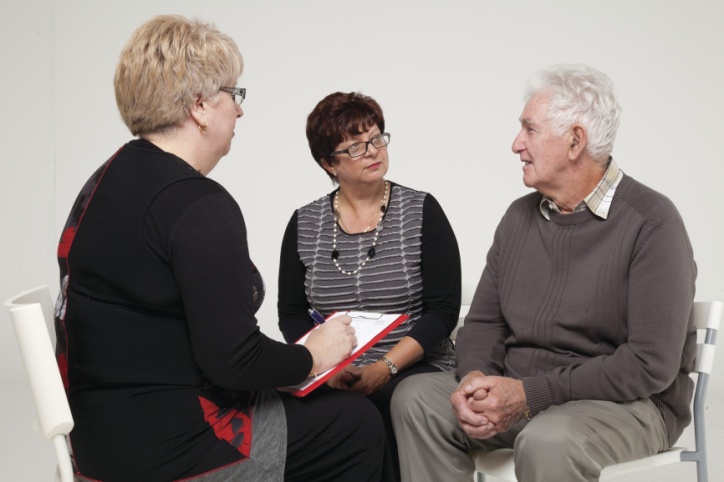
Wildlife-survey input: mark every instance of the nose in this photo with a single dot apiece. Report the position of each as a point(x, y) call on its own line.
point(239, 111)
point(518, 144)
point(369, 152)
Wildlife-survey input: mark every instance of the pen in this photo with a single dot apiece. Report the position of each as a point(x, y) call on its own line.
point(316, 316)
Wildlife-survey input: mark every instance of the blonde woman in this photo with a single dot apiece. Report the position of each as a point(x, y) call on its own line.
point(168, 375)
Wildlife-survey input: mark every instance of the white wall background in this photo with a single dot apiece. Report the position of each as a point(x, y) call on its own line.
point(448, 74)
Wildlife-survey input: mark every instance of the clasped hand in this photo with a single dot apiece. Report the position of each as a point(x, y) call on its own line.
point(488, 405)
point(365, 380)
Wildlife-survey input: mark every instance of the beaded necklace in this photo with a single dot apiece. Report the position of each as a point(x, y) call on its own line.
point(370, 252)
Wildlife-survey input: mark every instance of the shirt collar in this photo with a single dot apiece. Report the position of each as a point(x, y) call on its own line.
point(598, 201)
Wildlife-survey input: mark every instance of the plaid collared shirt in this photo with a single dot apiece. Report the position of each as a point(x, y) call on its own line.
point(599, 201)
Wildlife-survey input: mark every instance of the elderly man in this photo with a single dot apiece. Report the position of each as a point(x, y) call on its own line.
point(577, 348)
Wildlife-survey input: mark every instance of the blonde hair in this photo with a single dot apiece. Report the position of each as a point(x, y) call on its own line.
point(166, 65)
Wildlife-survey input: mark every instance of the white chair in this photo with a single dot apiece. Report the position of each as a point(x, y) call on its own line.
point(707, 318)
point(29, 311)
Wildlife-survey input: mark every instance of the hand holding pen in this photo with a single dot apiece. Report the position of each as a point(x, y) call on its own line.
point(317, 317)
point(331, 342)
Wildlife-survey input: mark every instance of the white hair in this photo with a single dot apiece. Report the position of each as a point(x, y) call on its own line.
point(579, 94)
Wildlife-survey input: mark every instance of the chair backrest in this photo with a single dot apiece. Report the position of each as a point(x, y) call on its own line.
point(29, 311)
point(707, 316)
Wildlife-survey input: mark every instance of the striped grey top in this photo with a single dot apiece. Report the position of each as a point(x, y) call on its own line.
point(390, 282)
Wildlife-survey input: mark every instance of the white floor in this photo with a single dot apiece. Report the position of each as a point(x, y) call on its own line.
point(26, 457)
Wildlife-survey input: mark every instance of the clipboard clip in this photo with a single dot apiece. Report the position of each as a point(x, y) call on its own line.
point(365, 315)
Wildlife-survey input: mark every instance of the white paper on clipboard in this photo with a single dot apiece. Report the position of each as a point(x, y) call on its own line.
point(369, 328)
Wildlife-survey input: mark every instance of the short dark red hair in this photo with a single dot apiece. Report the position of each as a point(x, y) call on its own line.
point(338, 117)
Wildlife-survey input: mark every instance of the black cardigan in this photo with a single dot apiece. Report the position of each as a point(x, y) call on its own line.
point(158, 323)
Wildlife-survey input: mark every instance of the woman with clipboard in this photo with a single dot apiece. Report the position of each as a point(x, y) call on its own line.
point(167, 373)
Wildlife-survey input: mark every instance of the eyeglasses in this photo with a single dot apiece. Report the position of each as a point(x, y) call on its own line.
point(360, 148)
point(237, 93)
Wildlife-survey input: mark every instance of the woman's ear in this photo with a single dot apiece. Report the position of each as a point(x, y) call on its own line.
point(329, 167)
point(198, 112)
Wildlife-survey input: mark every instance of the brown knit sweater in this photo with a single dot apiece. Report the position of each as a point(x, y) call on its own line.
point(584, 308)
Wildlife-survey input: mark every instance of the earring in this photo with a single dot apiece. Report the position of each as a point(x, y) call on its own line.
point(203, 127)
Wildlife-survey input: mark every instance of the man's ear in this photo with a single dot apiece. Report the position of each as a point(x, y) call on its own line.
point(198, 112)
point(578, 140)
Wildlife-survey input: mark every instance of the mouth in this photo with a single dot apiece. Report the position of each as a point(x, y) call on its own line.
point(374, 166)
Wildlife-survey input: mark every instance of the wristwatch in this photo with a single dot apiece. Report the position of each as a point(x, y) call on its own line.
point(390, 366)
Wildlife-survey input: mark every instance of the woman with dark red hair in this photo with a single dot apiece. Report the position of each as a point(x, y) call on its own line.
point(370, 245)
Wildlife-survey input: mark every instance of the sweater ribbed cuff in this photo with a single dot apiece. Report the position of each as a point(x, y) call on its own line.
point(537, 394)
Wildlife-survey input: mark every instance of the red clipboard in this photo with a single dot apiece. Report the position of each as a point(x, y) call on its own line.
point(364, 324)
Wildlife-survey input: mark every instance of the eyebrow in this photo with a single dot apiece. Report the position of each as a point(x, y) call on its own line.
point(526, 121)
point(377, 132)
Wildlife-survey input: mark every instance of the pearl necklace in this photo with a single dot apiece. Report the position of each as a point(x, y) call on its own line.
point(371, 252)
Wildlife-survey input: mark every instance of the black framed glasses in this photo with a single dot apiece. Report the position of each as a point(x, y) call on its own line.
point(237, 93)
point(360, 148)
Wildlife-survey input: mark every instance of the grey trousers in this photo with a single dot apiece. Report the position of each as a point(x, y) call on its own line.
point(570, 442)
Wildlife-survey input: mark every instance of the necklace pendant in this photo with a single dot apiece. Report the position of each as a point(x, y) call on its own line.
point(337, 218)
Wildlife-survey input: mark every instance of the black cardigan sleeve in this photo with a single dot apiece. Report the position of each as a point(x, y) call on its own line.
point(292, 305)
point(441, 278)
point(205, 242)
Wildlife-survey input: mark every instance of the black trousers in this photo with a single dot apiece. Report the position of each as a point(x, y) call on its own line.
point(381, 398)
point(333, 435)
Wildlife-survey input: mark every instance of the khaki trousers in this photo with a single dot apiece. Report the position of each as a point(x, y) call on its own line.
point(566, 443)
